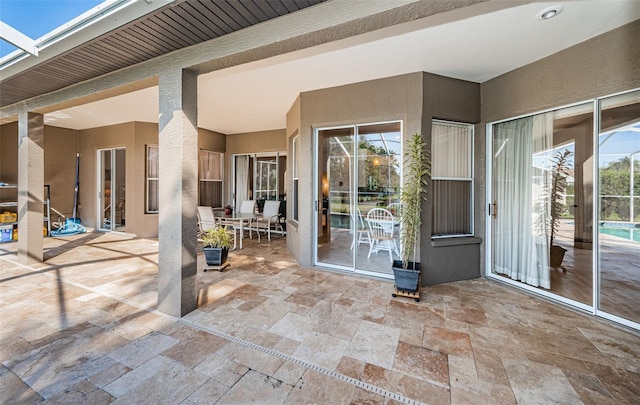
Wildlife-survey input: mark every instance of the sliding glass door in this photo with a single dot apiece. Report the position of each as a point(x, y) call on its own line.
point(358, 169)
point(260, 178)
point(542, 203)
point(565, 205)
point(111, 190)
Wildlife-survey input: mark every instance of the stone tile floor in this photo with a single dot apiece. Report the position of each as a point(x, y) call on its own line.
point(82, 328)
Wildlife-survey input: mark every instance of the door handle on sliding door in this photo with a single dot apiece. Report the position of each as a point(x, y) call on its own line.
point(495, 209)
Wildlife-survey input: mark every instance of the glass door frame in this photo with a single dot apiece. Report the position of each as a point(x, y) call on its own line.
point(317, 198)
point(100, 187)
point(593, 308)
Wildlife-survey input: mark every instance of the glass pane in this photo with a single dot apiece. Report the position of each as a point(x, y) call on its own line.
point(209, 165)
point(453, 213)
point(153, 196)
point(119, 197)
point(153, 162)
point(619, 213)
point(379, 155)
point(105, 209)
point(451, 149)
point(543, 201)
point(336, 194)
point(266, 179)
point(210, 194)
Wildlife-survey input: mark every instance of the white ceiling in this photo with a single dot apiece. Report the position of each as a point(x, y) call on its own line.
point(257, 96)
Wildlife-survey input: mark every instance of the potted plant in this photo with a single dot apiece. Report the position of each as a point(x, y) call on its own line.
point(228, 210)
point(216, 243)
point(560, 170)
point(417, 163)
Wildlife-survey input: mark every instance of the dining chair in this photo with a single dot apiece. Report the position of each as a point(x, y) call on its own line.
point(363, 234)
point(246, 207)
point(270, 218)
point(206, 221)
point(381, 225)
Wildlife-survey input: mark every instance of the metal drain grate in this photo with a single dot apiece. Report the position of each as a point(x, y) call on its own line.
point(372, 388)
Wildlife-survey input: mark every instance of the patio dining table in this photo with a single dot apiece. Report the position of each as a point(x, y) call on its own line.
point(238, 219)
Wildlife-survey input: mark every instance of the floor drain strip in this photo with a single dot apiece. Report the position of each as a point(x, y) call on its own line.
point(360, 384)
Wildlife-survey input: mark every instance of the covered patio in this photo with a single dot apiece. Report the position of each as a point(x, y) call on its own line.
point(83, 327)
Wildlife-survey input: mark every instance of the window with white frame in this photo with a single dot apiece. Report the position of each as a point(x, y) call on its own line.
point(452, 178)
point(210, 174)
point(152, 180)
point(266, 178)
point(295, 148)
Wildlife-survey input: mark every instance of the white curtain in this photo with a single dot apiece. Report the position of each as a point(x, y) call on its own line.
point(242, 180)
point(521, 248)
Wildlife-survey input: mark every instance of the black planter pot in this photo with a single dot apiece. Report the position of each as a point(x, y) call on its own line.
point(406, 279)
point(556, 256)
point(215, 256)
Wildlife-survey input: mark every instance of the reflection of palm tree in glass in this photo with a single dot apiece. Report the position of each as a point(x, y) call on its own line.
point(378, 173)
point(615, 189)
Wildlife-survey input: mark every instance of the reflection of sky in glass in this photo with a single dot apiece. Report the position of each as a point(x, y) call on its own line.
point(386, 140)
point(542, 159)
point(613, 146)
point(618, 145)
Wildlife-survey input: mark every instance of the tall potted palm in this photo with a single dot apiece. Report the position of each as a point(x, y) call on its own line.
point(417, 163)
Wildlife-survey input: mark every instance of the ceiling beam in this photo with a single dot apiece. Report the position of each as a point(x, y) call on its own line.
point(18, 39)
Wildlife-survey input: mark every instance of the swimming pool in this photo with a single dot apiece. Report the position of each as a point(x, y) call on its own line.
point(628, 231)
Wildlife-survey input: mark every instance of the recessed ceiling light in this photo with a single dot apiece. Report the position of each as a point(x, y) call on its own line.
point(549, 12)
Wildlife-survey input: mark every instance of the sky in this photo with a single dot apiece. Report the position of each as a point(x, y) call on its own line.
point(35, 18)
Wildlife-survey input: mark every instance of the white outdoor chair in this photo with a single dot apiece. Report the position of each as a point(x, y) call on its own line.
point(246, 207)
point(364, 236)
point(206, 221)
point(270, 219)
point(381, 225)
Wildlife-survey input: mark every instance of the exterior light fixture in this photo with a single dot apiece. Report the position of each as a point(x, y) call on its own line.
point(549, 12)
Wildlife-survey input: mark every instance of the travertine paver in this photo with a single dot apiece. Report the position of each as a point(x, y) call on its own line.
point(93, 336)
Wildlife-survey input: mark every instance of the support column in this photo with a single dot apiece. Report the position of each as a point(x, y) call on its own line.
point(178, 193)
point(30, 186)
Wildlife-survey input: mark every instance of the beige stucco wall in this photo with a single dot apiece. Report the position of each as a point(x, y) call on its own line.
point(212, 141)
point(60, 146)
point(413, 99)
point(134, 136)
point(452, 259)
point(144, 225)
point(248, 143)
point(292, 130)
point(9, 153)
point(92, 140)
point(603, 65)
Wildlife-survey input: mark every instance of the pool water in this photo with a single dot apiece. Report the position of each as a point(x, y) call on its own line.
point(625, 231)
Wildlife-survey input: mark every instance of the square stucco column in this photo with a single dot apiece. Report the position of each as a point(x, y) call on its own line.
point(30, 186)
point(178, 193)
